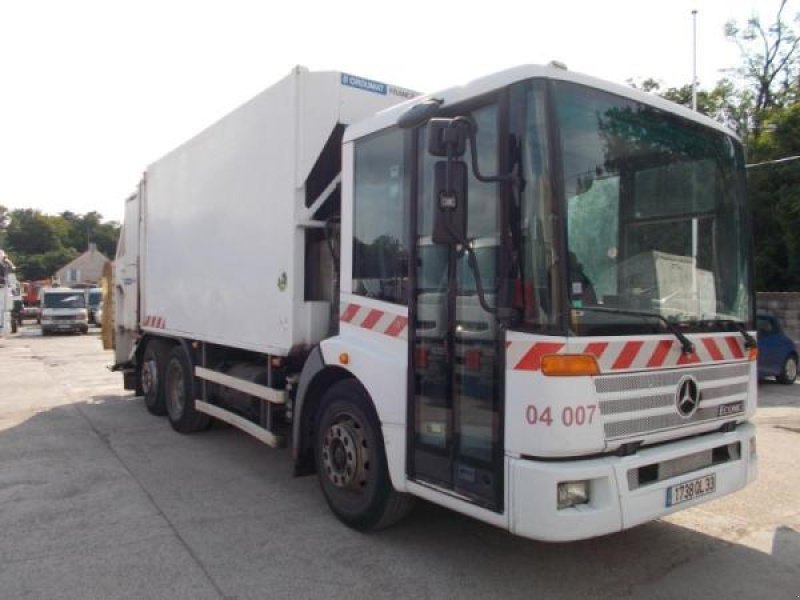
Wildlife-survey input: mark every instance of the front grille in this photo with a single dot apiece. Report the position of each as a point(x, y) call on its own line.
point(660, 422)
point(643, 403)
point(622, 383)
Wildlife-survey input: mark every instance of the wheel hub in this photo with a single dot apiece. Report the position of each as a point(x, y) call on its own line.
point(149, 376)
point(344, 455)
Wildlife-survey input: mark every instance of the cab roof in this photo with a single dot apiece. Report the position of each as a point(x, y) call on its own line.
point(484, 85)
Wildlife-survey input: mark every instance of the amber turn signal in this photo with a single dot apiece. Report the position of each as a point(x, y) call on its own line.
point(344, 358)
point(752, 353)
point(570, 365)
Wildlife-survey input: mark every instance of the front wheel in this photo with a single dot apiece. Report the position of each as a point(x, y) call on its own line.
point(351, 461)
point(179, 393)
point(788, 371)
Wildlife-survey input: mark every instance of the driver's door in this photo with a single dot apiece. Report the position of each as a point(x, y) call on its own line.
point(456, 379)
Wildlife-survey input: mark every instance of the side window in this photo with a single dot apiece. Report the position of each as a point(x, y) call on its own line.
point(536, 286)
point(380, 244)
point(765, 326)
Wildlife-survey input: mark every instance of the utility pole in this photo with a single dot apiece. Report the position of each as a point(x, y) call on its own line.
point(694, 60)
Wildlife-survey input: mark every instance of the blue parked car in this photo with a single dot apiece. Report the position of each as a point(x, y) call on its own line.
point(777, 355)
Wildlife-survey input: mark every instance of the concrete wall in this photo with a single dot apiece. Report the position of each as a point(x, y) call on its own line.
point(786, 305)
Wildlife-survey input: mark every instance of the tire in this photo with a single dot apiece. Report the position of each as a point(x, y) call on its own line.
point(788, 371)
point(150, 376)
point(355, 484)
point(179, 394)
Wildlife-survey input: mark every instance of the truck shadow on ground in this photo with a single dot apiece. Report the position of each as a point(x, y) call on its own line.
point(72, 479)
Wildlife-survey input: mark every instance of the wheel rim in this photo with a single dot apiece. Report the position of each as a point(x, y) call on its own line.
point(790, 369)
point(175, 391)
point(150, 377)
point(345, 454)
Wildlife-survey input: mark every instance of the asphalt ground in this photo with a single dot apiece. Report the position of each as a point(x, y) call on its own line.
point(99, 499)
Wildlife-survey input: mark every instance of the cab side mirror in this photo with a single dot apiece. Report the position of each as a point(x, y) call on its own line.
point(450, 202)
point(448, 138)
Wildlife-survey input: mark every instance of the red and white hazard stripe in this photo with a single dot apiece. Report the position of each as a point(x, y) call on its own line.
point(374, 319)
point(154, 321)
point(628, 355)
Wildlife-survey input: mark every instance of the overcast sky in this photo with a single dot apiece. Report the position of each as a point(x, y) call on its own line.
point(91, 92)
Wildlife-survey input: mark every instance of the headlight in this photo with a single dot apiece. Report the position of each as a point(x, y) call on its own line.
point(572, 493)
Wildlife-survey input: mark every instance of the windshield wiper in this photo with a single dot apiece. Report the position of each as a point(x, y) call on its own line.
point(749, 340)
point(686, 346)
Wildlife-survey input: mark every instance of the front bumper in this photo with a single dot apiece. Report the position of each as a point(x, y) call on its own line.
point(65, 326)
point(615, 503)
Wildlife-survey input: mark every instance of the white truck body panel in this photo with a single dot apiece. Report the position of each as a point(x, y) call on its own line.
point(222, 246)
point(126, 280)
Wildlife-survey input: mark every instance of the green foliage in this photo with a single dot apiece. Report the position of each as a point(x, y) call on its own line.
point(774, 190)
point(724, 102)
point(769, 58)
point(41, 244)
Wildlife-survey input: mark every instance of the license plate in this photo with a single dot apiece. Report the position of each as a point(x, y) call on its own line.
point(689, 490)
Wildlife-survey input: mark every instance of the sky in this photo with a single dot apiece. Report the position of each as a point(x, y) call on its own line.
point(91, 92)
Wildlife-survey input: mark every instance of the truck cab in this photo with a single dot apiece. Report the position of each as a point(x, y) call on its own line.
point(63, 310)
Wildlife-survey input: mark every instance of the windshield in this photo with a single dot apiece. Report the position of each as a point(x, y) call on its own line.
point(65, 300)
point(656, 217)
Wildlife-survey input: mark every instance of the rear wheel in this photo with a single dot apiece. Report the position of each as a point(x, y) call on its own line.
point(151, 379)
point(788, 371)
point(351, 461)
point(179, 391)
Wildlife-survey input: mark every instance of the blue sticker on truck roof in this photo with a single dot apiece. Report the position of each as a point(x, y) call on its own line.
point(368, 85)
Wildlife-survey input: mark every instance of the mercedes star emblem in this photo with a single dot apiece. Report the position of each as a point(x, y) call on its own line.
point(688, 396)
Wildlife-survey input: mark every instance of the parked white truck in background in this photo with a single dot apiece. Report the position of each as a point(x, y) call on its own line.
point(527, 299)
point(63, 309)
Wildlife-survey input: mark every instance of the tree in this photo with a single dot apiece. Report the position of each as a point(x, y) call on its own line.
point(724, 102)
point(31, 232)
point(769, 60)
point(774, 191)
point(41, 244)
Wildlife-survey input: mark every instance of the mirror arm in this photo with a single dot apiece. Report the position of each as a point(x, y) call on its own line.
point(473, 264)
point(473, 152)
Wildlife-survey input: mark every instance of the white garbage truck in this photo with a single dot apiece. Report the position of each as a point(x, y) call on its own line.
point(528, 299)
